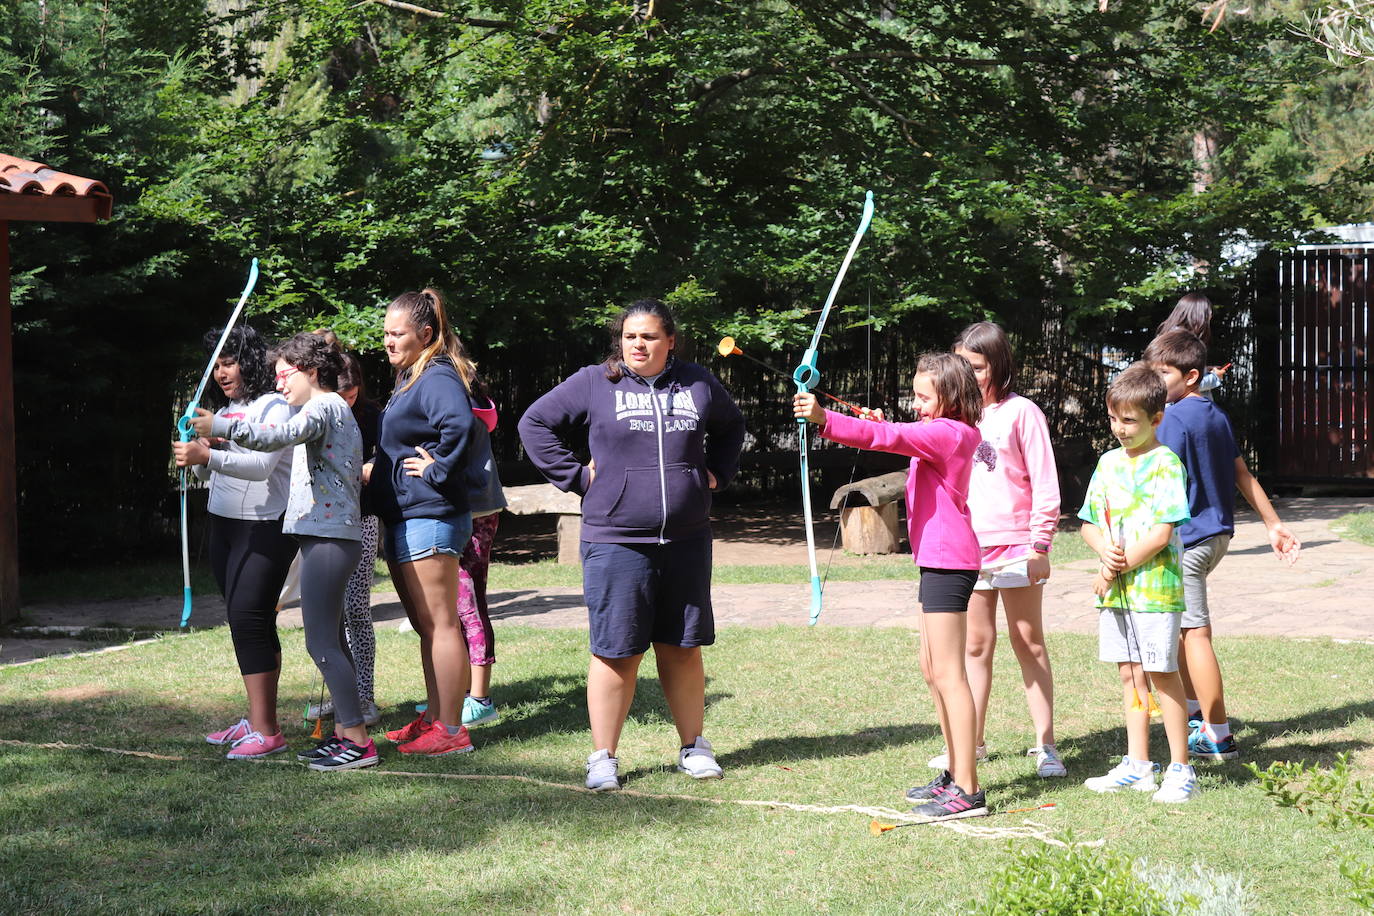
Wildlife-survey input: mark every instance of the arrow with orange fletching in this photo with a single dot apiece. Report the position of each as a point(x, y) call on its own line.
point(727, 347)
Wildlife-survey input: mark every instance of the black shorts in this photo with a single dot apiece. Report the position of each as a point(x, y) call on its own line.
point(946, 591)
point(639, 594)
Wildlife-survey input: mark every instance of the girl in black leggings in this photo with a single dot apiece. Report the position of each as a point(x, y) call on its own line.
point(248, 551)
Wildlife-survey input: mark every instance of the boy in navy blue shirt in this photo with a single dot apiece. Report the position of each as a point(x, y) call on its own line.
point(1197, 430)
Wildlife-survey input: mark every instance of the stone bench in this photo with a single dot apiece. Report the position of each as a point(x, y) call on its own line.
point(868, 513)
point(546, 499)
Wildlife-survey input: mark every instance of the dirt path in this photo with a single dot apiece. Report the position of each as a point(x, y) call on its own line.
point(1330, 593)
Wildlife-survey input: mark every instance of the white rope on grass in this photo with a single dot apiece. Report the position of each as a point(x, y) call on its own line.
point(1027, 829)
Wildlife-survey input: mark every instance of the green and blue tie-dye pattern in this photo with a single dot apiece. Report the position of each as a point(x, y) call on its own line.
point(1137, 494)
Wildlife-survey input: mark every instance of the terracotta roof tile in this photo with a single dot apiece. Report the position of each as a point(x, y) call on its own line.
point(22, 176)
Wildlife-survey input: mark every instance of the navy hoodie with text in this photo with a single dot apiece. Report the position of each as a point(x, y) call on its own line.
point(652, 448)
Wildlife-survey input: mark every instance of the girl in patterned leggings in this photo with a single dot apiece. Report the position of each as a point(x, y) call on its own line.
point(358, 625)
point(486, 503)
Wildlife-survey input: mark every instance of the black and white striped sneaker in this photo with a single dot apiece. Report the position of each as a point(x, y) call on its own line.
point(348, 756)
point(320, 751)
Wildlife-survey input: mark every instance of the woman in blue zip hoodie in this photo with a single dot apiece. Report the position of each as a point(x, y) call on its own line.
point(418, 486)
point(662, 435)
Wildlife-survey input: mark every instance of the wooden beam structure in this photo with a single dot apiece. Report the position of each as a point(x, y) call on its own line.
point(9, 484)
point(33, 192)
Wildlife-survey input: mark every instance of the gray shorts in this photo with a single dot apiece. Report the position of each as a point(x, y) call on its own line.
point(1198, 561)
point(1129, 636)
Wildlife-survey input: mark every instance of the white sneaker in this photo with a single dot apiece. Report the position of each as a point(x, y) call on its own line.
point(320, 710)
point(941, 760)
point(371, 714)
point(1128, 774)
point(1047, 762)
point(603, 772)
point(699, 761)
point(1179, 784)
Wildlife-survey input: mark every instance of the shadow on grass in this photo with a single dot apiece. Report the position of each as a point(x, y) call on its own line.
point(106, 834)
point(512, 605)
point(817, 747)
point(1262, 742)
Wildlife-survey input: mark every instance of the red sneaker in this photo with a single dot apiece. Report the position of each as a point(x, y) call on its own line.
point(410, 732)
point(437, 742)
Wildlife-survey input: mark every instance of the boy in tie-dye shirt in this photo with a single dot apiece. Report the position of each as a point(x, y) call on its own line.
point(1136, 500)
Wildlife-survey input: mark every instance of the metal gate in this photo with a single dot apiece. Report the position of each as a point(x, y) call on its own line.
point(1323, 363)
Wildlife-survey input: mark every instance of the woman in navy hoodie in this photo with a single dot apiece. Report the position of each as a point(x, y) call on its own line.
point(663, 434)
point(418, 485)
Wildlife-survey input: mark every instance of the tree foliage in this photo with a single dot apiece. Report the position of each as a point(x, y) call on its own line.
point(546, 160)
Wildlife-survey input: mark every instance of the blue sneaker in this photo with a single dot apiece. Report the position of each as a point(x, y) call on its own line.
point(1203, 747)
point(475, 712)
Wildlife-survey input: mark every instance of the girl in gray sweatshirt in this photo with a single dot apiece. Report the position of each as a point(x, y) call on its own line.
point(322, 511)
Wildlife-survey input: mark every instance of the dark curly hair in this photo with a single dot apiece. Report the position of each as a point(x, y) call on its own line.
point(311, 351)
point(245, 347)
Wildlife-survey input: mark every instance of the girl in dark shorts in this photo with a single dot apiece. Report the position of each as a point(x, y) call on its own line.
point(663, 433)
point(941, 445)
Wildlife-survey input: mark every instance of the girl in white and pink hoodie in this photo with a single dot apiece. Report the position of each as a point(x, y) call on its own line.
point(1014, 500)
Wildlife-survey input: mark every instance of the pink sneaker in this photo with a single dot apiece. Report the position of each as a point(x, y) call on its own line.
point(254, 745)
point(437, 742)
point(231, 734)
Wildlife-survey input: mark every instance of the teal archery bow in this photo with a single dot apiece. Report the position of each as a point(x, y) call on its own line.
point(187, 432)
point(806, 375)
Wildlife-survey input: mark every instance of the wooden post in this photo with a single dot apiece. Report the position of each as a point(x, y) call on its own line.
point(868, 513)
point(9, 486)
point(869, 529)
point(570, 539)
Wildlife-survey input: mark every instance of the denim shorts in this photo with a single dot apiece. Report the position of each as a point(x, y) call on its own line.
point(413, 539)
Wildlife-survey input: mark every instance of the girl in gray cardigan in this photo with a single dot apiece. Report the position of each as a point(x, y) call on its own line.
point(322, 511)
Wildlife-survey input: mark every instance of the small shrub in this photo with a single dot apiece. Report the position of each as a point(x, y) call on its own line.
point(1362, 879)
point(1060, 882)
point(1333, 795)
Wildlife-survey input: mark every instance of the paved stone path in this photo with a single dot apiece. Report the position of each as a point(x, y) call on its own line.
point(1329, 593)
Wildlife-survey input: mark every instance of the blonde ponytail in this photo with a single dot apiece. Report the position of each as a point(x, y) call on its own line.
point(426, 310)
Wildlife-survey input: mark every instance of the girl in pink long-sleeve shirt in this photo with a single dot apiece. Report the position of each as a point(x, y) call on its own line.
point(1014, 497)
point(941, 445)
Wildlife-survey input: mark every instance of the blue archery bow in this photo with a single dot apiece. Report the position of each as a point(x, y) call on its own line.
point(186, 431)
point(806, 375)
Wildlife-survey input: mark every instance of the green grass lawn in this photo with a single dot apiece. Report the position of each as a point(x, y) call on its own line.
point(825, 717)
point(1357, 526)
